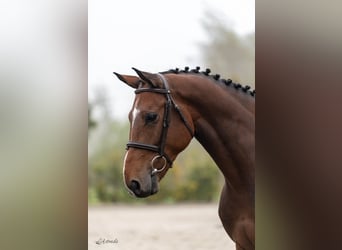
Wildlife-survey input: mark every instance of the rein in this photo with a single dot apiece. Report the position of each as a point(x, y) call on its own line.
point(160, 149)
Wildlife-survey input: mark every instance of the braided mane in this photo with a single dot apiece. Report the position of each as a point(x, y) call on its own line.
point(228, 82)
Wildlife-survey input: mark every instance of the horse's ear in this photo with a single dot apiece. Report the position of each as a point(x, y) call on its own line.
point(152, 79)
point(131, 81)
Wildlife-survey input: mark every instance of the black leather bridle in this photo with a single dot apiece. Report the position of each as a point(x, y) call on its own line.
point(160, 149)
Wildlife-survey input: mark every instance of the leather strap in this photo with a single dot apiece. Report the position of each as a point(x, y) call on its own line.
point(166, 121)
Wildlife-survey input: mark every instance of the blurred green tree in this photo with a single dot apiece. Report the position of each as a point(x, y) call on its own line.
point(226, 52)
point(91, 121)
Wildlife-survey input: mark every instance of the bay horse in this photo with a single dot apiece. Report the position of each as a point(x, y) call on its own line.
point(172, 107)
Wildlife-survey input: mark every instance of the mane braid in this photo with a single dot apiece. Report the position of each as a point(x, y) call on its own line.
point(227, 82)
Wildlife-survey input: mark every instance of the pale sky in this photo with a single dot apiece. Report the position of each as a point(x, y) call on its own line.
point(153, 36)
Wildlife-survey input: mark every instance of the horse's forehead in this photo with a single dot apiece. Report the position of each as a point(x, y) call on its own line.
point(147, 100)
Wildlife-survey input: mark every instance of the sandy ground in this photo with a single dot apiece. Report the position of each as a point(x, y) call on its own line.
point(157, 227)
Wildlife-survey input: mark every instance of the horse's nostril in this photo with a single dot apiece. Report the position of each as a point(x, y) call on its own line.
point(135, 186)
point(137, 189)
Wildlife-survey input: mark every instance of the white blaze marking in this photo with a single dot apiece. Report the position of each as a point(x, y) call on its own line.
point(135, 113)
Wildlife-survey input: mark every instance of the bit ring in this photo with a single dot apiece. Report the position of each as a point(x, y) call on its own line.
point(154, 169)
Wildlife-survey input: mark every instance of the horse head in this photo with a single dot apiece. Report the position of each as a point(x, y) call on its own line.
point(159, 130)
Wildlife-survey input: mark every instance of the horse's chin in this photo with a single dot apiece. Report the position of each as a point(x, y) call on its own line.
point(154, 185)
point(145, 194)
point(141, 195)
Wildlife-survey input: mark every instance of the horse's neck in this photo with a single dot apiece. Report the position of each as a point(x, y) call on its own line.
point(224, 125)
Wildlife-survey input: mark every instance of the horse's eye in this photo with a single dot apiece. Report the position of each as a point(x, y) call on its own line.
point(150, 117)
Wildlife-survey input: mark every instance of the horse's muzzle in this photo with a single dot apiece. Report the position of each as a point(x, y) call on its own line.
point(138, 189)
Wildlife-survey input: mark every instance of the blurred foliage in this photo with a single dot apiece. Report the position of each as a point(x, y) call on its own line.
point(91, 121)
point(226, 52)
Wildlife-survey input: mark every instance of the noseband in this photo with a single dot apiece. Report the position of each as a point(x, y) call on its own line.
point(160, 149)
